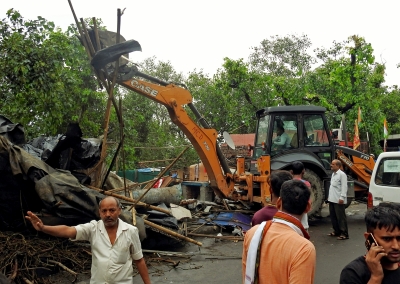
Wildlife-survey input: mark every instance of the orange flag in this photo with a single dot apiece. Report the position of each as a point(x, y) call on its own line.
point(356, 139)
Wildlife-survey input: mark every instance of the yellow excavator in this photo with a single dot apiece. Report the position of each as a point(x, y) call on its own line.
point(307, 138)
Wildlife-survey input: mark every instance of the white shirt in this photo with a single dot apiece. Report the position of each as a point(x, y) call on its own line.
point(338, 188)
point(111, 263)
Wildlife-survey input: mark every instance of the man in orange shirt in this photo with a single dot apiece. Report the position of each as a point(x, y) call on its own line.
point(278, 251)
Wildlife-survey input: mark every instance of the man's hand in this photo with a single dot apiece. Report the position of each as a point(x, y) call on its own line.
point(36, 222)
point(141, 266)
point(341, 201)
point(56, 231)
point(373, 260)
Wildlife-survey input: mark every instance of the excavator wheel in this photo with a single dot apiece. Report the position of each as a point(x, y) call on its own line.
point(349, 200)
point(317, 192)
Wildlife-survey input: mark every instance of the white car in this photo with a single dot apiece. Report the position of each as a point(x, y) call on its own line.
point(385, 180)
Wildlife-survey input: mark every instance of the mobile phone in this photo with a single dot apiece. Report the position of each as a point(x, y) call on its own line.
point(370, 240)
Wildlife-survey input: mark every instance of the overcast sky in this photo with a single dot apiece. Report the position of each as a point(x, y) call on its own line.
point(199, 34)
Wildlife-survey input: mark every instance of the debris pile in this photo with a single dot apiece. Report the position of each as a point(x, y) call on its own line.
point(25, 259)
point(61, 197)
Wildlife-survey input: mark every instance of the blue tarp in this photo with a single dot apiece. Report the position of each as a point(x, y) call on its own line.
point(233, 219)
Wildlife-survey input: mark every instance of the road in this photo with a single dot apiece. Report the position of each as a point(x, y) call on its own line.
point(220, 262)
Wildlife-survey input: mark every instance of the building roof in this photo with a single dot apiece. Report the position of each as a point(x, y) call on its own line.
point(243, 139)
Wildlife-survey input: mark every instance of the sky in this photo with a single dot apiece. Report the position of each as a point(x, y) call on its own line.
point(200, 34)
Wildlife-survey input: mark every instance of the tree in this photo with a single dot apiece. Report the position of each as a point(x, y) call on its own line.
point(349, 78)
point(287, 61)
point(148, 127)
point(47, 80)
point(391, 110)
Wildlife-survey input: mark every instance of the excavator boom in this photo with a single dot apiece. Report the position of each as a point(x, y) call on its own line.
point(238, 186)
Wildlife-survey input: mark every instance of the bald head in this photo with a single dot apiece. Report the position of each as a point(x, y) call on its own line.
point(112, 199)
point(110, 209)
point(336, 165)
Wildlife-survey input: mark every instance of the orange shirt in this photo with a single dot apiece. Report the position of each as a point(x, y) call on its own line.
point(286, 257)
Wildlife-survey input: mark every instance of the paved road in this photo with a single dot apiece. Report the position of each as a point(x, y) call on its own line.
point(220, 262)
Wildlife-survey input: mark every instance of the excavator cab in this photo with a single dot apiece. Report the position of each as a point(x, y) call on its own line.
point(295, 133)
point(282, 130)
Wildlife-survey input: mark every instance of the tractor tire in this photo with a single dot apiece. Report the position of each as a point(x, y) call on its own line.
point(349, 200)
point(317, 191)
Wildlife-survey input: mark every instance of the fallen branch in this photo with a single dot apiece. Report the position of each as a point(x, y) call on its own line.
point(65, 268)
point(174, 264)
point(197, 228)
point(172, 233)
point(132, 200)
point(170, 253)
point(27, 281)
point(15, 270)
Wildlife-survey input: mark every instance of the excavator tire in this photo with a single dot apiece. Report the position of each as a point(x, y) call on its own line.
point(349, 200)
point(317, 192)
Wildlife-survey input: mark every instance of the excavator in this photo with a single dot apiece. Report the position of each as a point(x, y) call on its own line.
point(307, 138)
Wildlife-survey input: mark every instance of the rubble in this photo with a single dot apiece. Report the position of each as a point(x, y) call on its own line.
point(65, 196)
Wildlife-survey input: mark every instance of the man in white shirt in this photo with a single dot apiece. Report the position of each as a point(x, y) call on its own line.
point(337, 201)
point(114, 244)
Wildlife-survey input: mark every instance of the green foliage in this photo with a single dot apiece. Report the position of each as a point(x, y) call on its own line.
point(46, 80)
point(391, 111)
point(283, 56)
point(349, 78)
point(287, 62)
point(148, 128)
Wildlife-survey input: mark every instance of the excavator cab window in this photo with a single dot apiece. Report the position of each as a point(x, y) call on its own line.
point(261, 136)
point(316, 135)
point(284, 134)
point(315, 132)
point(262, 130)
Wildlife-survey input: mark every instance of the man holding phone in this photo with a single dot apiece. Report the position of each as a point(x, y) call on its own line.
point(381, 262)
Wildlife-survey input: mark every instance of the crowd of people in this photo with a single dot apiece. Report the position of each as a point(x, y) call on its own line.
point(277, 241)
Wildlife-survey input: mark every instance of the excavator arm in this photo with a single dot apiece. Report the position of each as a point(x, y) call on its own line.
point(359, 163)
point(175, 98)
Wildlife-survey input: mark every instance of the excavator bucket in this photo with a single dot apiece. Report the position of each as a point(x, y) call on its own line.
point(112, 53)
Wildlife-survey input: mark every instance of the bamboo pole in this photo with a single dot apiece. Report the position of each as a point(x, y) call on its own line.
point(133, 211)
point(131, 200)
point(130, 186)
point(109, 101)
point(172, 233)
point(150, 185)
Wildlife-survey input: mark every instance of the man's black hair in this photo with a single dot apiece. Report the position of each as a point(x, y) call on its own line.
point(280, 127)
point(297, 167)
point(116, 200)
point(386, 216)
point(295, 195)
point(277, 178)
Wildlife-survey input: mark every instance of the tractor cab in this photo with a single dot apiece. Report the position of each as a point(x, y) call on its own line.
point(289, 133)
